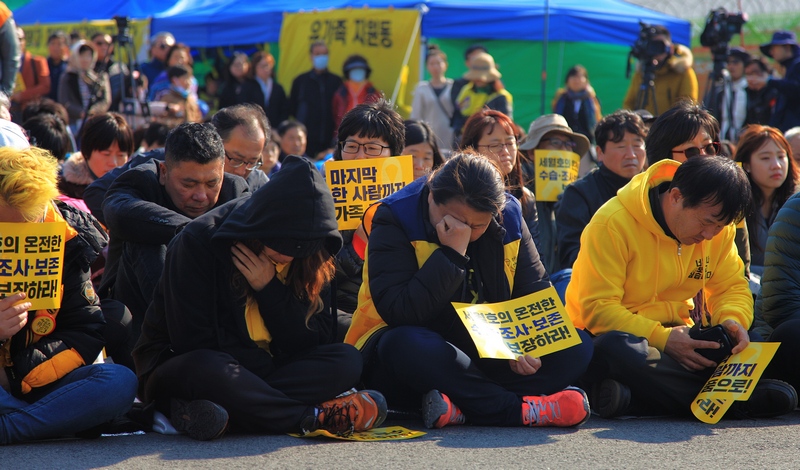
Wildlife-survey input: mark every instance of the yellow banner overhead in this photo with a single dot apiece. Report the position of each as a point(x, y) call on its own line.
point(31, 261)
point(36, 34)
point(388, 38)
point(554, 170)
point(534, 325)
point(357, 184)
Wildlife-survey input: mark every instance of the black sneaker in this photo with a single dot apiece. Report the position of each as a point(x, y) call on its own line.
point(202, 420)
point(610, 398)
point(769, 399)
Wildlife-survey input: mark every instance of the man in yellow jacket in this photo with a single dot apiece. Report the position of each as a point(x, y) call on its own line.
point(666, 240)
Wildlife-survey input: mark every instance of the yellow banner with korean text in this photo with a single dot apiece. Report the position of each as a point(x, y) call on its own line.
point(31, 261)
point(534, 325)
point(36, 34)
point(554, 170)
point(393, 433)
point(357, 184)
point(734, 379)
point(388, 38)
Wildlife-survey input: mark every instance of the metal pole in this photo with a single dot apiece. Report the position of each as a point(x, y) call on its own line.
point(544, 54)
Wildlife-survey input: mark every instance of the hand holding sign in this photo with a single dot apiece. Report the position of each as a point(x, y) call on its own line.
point(13, 315)
point(525, 365)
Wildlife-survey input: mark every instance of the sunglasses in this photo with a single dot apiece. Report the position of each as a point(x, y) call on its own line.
point(708, 150)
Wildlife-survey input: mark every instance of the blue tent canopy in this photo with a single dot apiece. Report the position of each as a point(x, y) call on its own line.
point(75, 11)
point(209, 23)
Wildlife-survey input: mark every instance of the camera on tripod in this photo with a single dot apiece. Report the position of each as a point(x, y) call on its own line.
point(123, 30)
point(720, 28)
point(647, 46)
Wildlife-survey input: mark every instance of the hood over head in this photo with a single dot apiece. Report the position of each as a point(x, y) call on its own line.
point(293, 213)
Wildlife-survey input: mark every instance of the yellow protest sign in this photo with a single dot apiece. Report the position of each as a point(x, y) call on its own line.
point(734, 379)
point(554, 170)
point(394, 433)
point(36, 34)
point(357, 184)
point(31, 261)
point(388, 38)
point(534, 325)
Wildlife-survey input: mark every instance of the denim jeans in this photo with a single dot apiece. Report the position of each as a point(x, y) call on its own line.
point(84, 398)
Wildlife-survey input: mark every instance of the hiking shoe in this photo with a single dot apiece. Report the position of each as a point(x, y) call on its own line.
point(438, 411)
point(769, 399)
point(202, 420)
point(569, 407)
point(350, 413)
point(610, 398)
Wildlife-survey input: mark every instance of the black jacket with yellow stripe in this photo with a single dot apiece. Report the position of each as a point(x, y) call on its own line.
point(32, 361)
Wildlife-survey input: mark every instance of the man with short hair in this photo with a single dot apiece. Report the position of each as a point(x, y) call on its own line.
point(57, 56)
point(667, 235)
point(674, 77)
point(159, 46)
point(621, 152)
point(783, 49)
point(311, 101)
point(244, 130)
point(148, 204)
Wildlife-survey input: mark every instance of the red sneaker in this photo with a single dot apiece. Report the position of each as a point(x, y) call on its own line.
point(438, 411)
point(353, 412)
point(569, 407)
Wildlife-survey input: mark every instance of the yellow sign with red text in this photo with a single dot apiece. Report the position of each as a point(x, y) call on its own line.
point(357, 184)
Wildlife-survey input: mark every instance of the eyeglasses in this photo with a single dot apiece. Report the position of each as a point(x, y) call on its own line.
point(237, 163)
point(497, 148)
point(162, 46)
point(373, 150)
point(709, 150)
point(561, 144)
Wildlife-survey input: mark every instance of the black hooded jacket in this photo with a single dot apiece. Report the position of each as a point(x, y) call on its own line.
point(196, 305)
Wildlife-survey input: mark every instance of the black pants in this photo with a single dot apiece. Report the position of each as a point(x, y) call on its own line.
point(276, 404)
point(786, 363)
point(658, 383)
point(410, 361)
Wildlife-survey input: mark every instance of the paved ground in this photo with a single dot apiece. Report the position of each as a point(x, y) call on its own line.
point(599, 444)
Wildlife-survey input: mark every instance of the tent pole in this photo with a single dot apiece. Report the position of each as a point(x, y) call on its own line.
point(407, 56)
point(544, 53)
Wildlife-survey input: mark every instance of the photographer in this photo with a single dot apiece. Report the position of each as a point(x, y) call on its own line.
point(730, 101)
point(784, 50)
point(674, 78)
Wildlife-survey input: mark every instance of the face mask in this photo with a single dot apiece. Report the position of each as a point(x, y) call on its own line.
point(358, 75)
point(320, 62)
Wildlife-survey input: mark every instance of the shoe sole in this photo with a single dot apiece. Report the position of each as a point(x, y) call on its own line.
point(380, 403)
point(202, 420)
point(613, 402)
point(433, 407)
point(586, 406)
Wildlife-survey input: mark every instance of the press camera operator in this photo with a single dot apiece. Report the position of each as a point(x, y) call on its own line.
point(673, 78)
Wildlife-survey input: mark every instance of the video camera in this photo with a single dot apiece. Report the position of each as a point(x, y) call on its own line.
point(646, 46)
point(720, 28)
point(123, 30)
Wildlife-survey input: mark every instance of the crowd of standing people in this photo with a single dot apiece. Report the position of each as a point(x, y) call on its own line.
point(205, 273)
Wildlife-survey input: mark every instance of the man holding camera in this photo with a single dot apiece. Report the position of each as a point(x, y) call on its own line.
point(674, 77)
point(667, 236)
point(784, 50)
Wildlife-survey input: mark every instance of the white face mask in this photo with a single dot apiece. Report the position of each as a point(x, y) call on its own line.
point(320, 62)
point(358, 75)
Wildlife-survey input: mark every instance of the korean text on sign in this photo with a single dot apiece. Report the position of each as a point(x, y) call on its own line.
point(534, 325)
point(554, 170)
point(357, 184)
point(31, 261)
point(733, 379)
